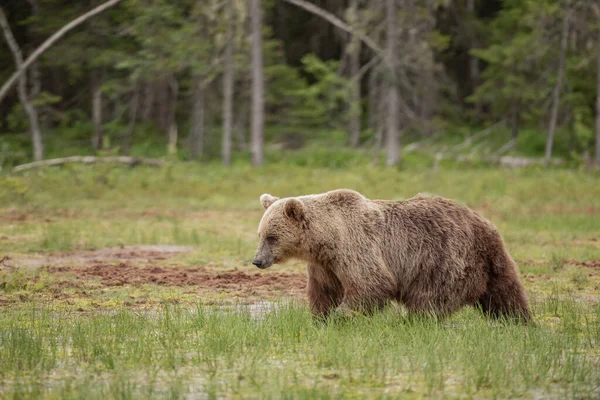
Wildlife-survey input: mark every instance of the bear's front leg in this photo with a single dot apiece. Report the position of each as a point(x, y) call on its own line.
point(366, 293)
point(352, 303)
point(324, 291)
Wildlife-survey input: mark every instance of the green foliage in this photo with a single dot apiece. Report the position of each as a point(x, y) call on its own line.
point(12, 188)
point(512, 77)
point(150, 47)
point(329, 89)
point(297, 104)
point(22, 280)
point(14, 149)
point(522, 64)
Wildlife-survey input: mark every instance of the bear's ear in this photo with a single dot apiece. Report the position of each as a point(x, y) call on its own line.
point(266, 200)
point(294, 209)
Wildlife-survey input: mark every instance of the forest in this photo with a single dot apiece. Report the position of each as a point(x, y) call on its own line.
point(240, 80)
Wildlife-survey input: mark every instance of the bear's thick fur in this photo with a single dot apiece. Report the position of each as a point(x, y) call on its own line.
point(431, 254)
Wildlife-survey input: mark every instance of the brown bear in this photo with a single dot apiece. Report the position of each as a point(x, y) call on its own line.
point(429, 253)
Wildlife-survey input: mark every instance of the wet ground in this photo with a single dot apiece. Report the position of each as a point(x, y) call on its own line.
point(72, 274)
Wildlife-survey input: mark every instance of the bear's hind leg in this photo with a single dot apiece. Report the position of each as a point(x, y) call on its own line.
point(505, 296)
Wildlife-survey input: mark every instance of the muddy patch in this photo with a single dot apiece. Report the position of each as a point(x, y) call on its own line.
point(125, 273)
point(588, 264)
point(140, 254)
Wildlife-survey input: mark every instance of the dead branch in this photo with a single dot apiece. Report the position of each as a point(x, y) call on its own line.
point(50, 41)
point(313, 9)
point(508, 146)
point(478, 135)
point(510, 161)
point(131, 161)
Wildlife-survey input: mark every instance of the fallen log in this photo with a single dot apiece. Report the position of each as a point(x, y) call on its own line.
point(131, 161)
point(510, 161)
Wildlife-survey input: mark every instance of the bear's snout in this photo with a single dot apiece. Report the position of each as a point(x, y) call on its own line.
point(262, 261)
point(262, 264)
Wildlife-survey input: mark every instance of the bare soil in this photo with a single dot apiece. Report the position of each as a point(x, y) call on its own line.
point(125, 273)
point(150, 265)
point(140, 254)
point(588, 264)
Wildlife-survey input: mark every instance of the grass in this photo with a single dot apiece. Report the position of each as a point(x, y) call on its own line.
point(174, 352)
point(69, 336)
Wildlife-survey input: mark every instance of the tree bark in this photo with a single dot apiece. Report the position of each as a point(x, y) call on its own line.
point(197, 125)
point(97, 110)
point(598, 112)
point(241, 123)
point(354, 58)
point(148, 101)
point(558, 87)
point(164, 104)
point(174, 86)
point(373, 108)
point(474, 71)
point(228, 80)
point(515, 119)
point(34, 128)
point(473, 61)
point(36, 81)
point(258, 82)
point(50, 41)
point(393, 135)
point(35, 77)
point(133, 113)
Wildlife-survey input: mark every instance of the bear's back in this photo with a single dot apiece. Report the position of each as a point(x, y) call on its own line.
point(433, 230)
point(427, 209)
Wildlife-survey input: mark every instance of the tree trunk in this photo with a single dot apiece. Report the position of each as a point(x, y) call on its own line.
point(36, 134)
point(258, 82)
point(377, 106)
point(148, 101)
point(427, 106)
point(133, 113)
point(393, 135)
point(34, 128)
point(36, 81)
point(97, 110)
point(241, 122)
point(572, 137)
point(354, 59)
point(174, 86)
point(473, 61)
point(557, 87)
point(197, 125)
point(228, 80)
point(35, 78)
point(373, 108)
point(515, 119)
point(164, 104)
point(598, 112)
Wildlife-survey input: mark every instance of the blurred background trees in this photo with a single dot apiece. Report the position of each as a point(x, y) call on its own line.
point(242, 79)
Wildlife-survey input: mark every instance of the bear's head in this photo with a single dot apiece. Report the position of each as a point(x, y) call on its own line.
point(280, 231)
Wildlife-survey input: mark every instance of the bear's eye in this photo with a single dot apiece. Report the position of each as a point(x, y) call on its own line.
point(271, 239)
